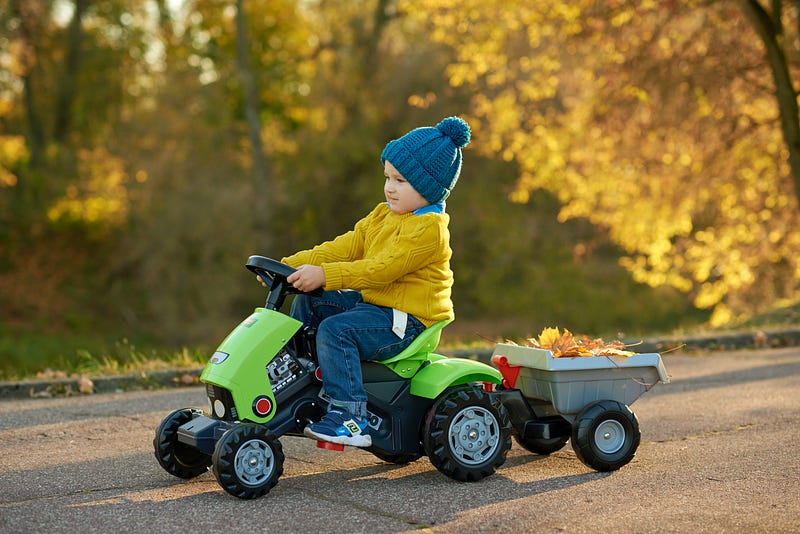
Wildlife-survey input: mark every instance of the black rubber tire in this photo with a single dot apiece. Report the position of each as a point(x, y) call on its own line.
point(542, 446)
point(178, 459)
point(248, 460)
point(399, 459)
point(473, 455)
point(605, 435)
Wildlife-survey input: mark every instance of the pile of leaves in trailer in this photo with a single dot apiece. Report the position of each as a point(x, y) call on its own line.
point(566, 345)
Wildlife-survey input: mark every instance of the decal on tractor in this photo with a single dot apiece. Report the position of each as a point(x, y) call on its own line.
point(219, 357)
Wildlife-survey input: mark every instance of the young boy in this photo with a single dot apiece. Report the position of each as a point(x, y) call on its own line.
point(386, 280)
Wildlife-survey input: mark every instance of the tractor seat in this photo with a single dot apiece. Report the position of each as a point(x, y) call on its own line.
point(422, 346)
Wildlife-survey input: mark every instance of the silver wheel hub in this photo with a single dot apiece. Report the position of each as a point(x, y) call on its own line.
point(254, 462)
point(474, 435)
point(609, 436)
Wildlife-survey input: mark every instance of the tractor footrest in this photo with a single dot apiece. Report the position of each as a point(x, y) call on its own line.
point(200, 433)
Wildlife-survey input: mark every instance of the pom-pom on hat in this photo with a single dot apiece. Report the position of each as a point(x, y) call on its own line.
point(430, 158)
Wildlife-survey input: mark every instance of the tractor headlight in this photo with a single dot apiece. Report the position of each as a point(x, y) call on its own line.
point(221, 403)
point(219, 409)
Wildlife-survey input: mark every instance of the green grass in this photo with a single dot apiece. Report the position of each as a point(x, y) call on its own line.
point(783, 314)
point(25, 354)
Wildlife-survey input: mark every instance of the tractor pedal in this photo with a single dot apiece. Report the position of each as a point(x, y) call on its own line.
point(330, 446)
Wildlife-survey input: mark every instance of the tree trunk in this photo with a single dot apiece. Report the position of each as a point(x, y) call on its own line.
point(260, 171)
point(770, 30)
point(28, 15)
point(69, 79)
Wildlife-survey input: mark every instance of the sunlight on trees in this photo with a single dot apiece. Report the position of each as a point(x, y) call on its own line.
point(648, 118)
point(12, 152)
point(98, 199)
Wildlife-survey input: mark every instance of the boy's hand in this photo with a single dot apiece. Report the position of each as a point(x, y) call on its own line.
point(307, 278)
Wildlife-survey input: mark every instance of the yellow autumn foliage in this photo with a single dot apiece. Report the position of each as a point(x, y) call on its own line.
point(12, 151)
point(99, 200)
point(594, 103)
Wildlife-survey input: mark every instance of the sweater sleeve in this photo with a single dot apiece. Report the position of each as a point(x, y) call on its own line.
point(346, 247)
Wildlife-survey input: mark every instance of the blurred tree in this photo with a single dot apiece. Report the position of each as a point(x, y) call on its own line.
point(69, 78)
point(252, 105)
point(68, 63)
point(198, 190)
point(778, 48)
point(64, 194)
point(27, 18)
point(651, 119)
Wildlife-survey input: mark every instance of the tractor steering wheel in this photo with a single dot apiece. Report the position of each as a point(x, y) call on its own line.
point(275, 273)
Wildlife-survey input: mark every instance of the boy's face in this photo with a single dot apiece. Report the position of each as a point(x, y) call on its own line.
point(400, 194)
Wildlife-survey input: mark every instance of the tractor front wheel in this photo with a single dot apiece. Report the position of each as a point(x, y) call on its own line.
point(178, 459)
point(248, 460)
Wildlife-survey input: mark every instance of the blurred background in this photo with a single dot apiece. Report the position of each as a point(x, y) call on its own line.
point(634, 169)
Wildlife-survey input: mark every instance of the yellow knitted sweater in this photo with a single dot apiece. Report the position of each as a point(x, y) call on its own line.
point(397, 261)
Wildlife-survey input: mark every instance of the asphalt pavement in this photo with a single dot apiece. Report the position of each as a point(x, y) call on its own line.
point(719, 453)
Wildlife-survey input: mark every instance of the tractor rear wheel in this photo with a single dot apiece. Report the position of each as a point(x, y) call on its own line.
point(467, 434)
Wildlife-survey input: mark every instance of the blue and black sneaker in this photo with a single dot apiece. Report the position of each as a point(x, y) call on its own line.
point(338, 426)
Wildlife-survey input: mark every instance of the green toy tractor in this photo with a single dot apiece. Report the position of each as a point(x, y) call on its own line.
point(263, 382)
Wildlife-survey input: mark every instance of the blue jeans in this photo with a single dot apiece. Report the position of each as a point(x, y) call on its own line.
point(348, 331)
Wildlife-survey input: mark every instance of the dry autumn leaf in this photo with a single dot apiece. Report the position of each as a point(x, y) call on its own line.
point(85, 385)
point(565, 345)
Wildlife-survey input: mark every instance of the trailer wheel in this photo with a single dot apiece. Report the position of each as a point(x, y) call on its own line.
point(248, 460)
point(467, 434)
point(605, 435)
point(542, 446)
point(178, 459)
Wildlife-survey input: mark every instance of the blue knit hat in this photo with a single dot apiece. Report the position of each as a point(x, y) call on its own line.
point(430, 158)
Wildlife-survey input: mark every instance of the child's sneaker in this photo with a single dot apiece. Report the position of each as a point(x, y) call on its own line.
point(338, 426)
